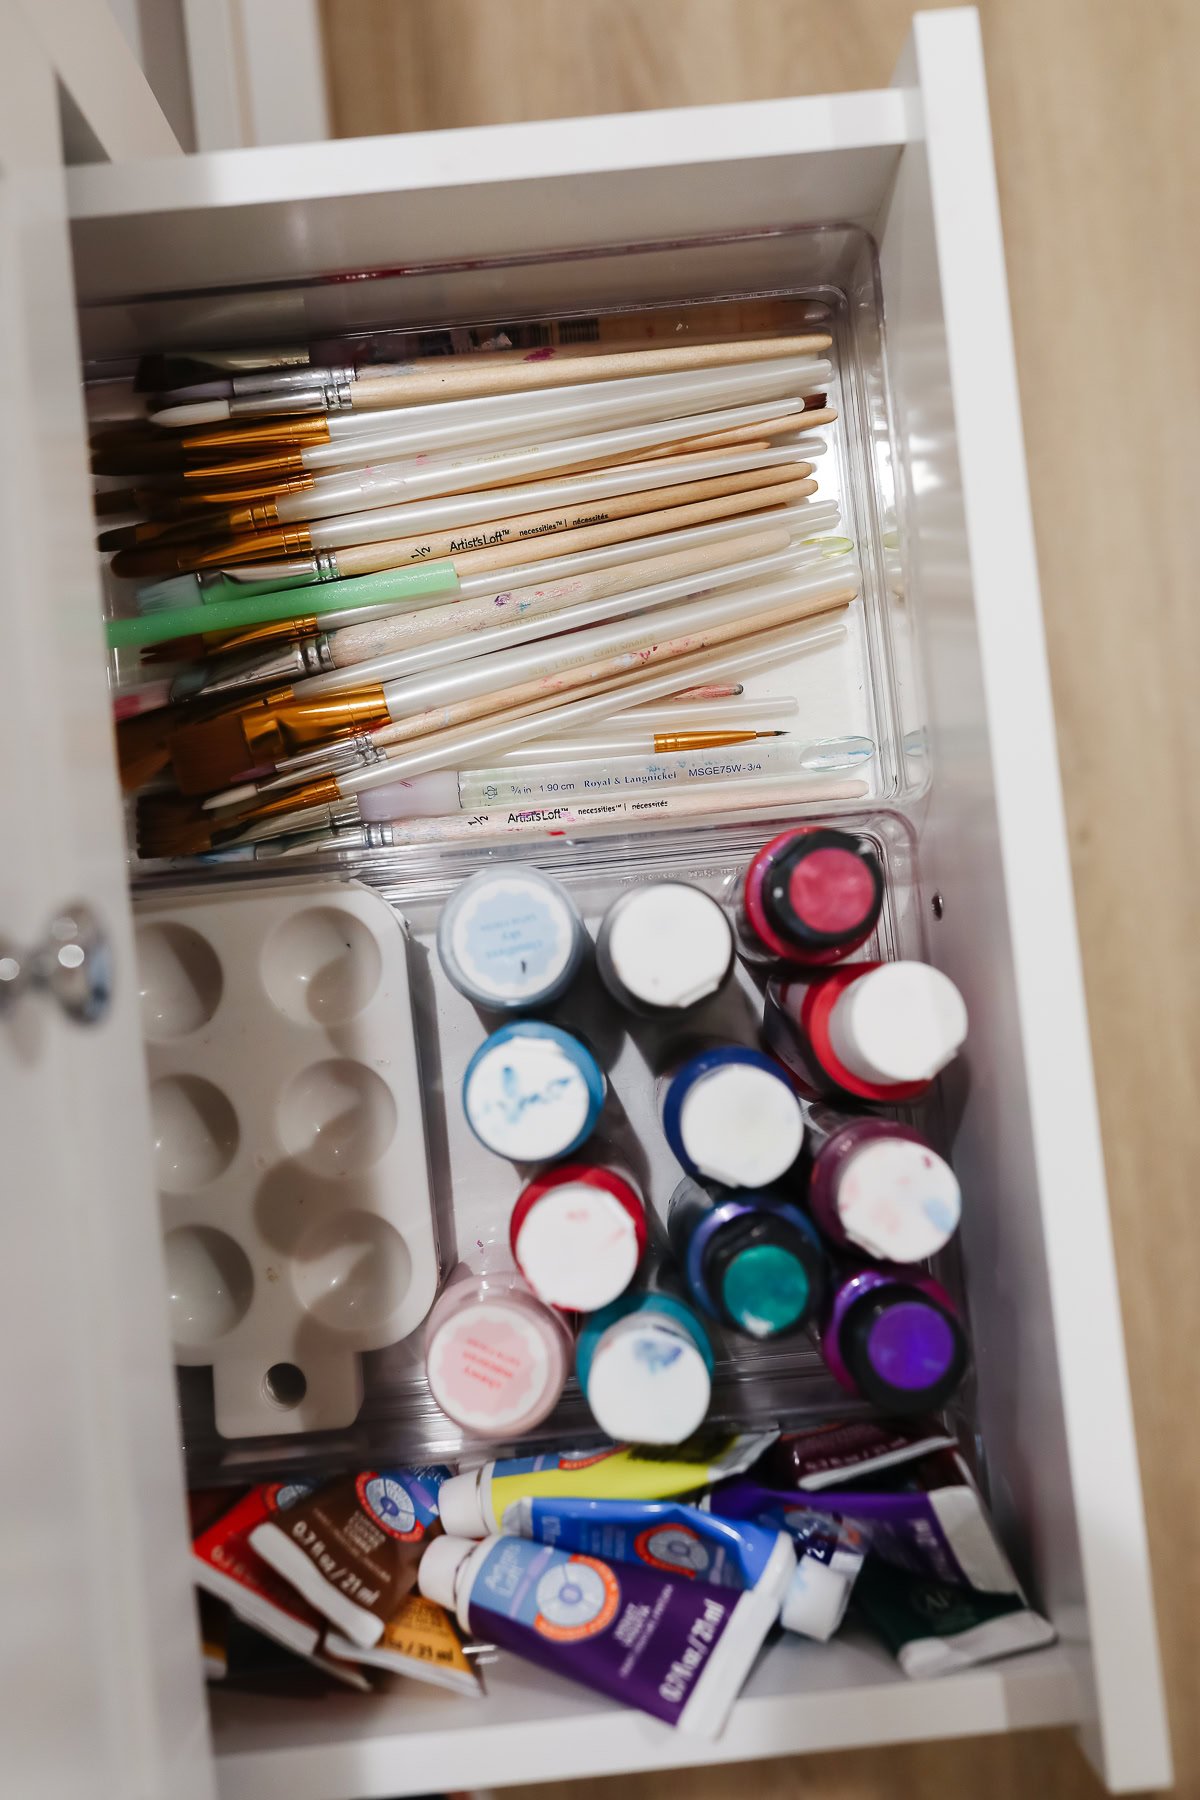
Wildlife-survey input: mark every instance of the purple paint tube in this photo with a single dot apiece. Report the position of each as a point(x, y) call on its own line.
point(894, 1337)
point(926, 1519)
point(879, 1188)
point(675, 1648)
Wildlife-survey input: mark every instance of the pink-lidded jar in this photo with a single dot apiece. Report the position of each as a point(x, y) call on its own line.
point(496, 1358)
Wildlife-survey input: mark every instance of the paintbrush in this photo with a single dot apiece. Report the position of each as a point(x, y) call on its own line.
point(450, 426)
point(623, 523)
point(757, 644)
point(244, 738)
point(366, 490)
point(470, 516)
point(469, 377)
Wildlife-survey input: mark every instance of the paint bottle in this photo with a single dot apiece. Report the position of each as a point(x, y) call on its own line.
point(496, 1359)
point(750, 1260)
point(875, 1031)
point(511, 939)
point(809, 898)
point(731, 1115)
point(645, 1366)
point(878, 1188)
point(664, 947)
point(532, 1092)
point(895, 1338)
point(577, 1235)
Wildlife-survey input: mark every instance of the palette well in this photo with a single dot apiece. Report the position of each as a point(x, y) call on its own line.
point(289, 1143)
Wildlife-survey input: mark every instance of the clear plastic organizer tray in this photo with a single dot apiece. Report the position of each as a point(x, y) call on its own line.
point(865, 686)
point(473, 1190)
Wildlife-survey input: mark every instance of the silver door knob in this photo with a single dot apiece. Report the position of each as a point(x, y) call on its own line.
point(73, 962)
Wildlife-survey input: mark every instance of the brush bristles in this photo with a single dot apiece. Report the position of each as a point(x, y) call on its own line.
point(208, 756)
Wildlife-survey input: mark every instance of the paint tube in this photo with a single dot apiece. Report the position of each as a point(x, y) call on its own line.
point(473, 1504)
point(675, 1648)
point(935, 1628)
point(352, 1546)
point(924, 1517)
point(662, 1534)
point(225, 1564)
point(418, 1640)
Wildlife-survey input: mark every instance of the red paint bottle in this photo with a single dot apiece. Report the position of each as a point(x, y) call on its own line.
point(809, 898)
point(874, 1031)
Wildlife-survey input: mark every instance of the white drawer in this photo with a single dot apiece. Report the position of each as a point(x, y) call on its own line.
point(495, 222)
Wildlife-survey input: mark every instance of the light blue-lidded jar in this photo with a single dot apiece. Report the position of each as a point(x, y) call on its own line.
point(511, 939)
point(532, 1092)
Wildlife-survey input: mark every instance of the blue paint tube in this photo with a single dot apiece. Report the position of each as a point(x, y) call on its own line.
point(660, 1533)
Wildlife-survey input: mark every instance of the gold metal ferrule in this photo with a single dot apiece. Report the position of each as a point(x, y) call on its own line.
point(322, 792)
point(256, 637)
point(245, 433)
point(250, 546)
point(273, 732)
point(262, 472)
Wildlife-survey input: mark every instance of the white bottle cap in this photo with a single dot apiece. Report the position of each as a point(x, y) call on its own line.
point(577, 1247)
point(816, 1600)
point(438, 1568)
point(528, 1099)
point(902, 1022)
point(460, 1507)
point(898, 1200)
point(741, 1125)
point(670, 945)
point(648, 1383)
point(424, 797)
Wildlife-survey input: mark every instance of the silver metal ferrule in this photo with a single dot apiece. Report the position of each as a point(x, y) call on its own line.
point(309, 657)
point(346, 753)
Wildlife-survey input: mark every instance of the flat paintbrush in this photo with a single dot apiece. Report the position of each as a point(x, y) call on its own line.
point(177, 830)
point(208, 756)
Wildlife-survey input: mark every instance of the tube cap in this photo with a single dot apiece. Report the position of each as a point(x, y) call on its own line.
point(816, 1600)
point(665, 947)
point(901, 1022)
point(424, 797)
point(437, 1571)
point(460, 1508)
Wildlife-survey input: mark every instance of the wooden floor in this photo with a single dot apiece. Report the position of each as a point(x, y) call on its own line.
point(1095, 105)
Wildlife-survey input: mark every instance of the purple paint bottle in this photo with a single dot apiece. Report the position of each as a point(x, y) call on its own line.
point(878, 1188)
point(894, 1337)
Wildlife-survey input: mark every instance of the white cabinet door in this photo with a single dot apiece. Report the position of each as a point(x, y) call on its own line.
point(100, 1690)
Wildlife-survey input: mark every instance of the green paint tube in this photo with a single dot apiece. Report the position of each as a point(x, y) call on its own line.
point(935, 1628)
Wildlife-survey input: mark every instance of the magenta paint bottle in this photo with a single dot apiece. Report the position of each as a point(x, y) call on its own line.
point(872, 1030)
point(878, 1188)
point(895, 1337)
point(809, 898)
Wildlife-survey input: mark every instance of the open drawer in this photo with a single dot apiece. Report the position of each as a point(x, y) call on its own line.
point(526, 220)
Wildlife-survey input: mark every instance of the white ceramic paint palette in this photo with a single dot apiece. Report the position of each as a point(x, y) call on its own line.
point(289, 1141)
